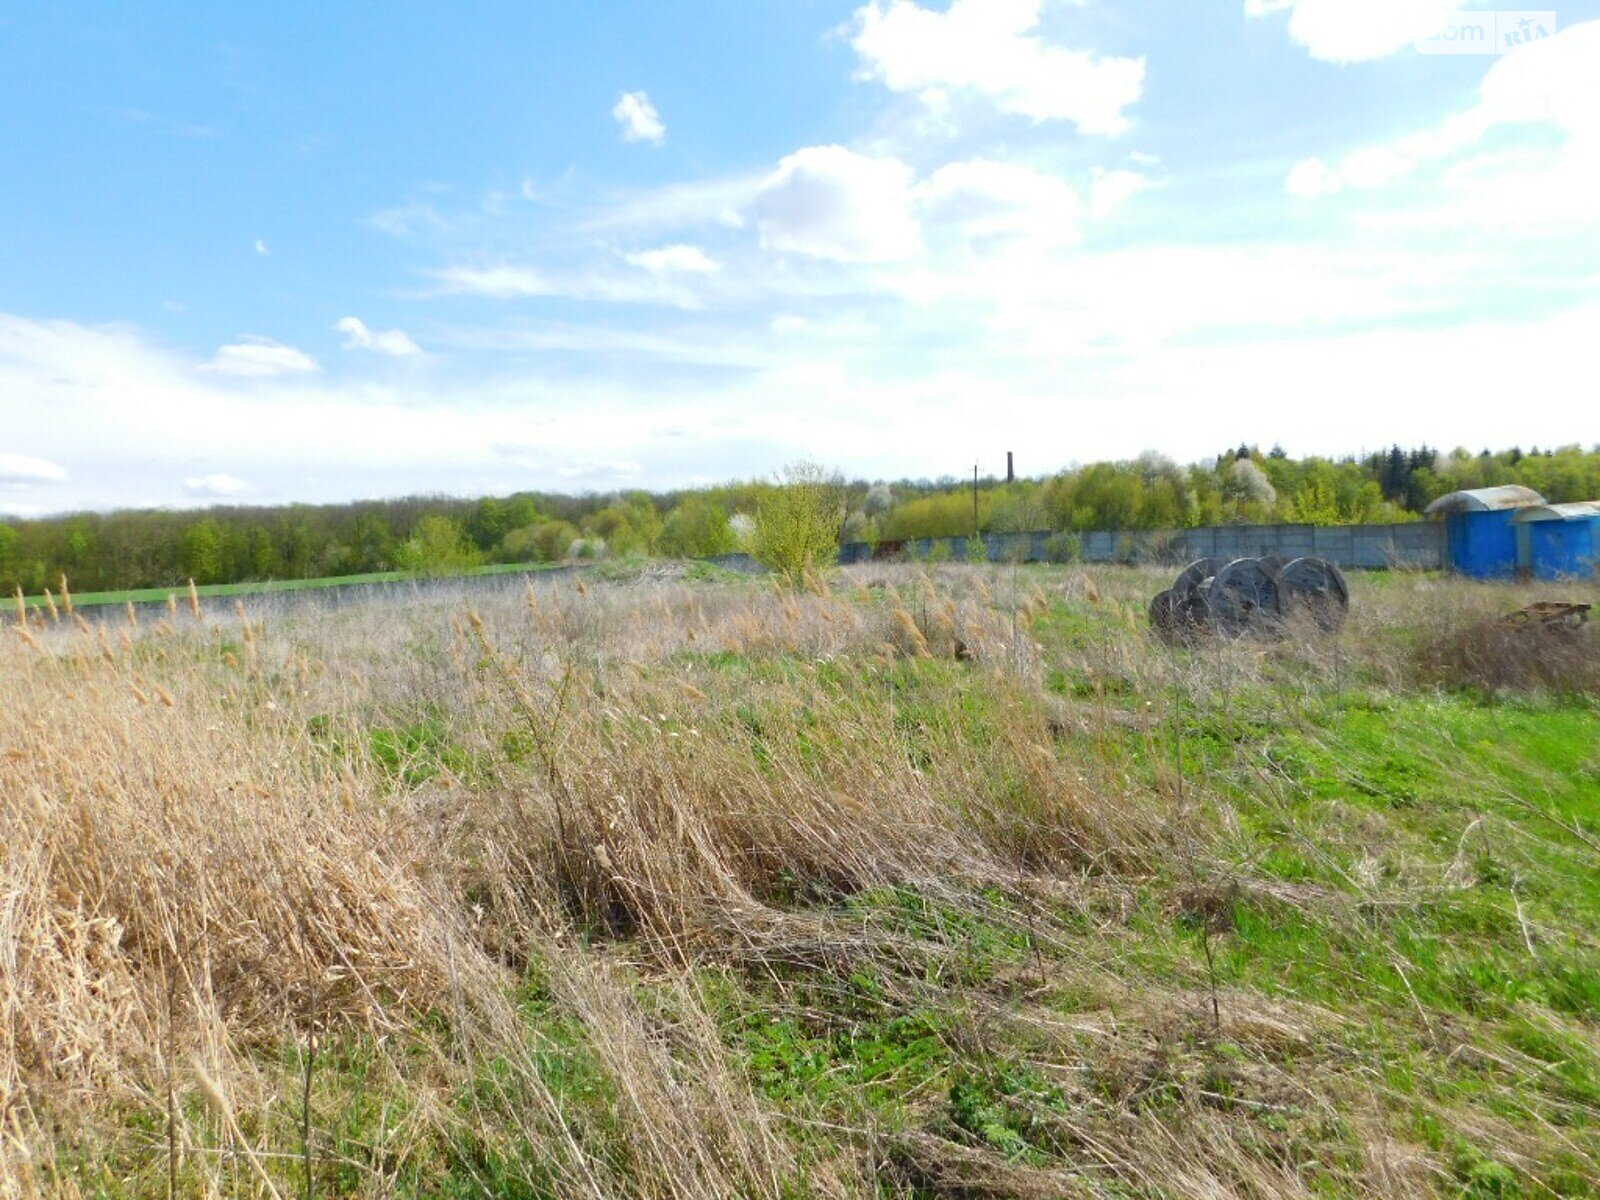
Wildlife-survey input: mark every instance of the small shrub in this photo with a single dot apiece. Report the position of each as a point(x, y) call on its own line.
point(1063, 548)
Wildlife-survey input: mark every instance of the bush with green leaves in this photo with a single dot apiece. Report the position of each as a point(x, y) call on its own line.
point(697, 528)
point(547, 541)
point(1063, 548)
point(437, 546)
point(798, 521)
point(628, 526)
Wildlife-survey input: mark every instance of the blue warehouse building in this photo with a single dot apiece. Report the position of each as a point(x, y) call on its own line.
point(1559, 541)
point(1480, 540)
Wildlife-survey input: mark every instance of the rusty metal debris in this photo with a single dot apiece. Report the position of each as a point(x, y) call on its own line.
point(1550, 614)
point(1260, 597)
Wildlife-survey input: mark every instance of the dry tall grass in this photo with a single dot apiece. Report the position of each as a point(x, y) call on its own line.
point(207, 882)
point(191, 880)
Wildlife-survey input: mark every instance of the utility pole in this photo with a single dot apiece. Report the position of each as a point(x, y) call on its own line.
point(974, 499)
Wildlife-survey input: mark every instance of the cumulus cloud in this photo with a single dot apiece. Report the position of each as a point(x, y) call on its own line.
point(260, 357)
point(1347, 31)
point(261, 248)
point(831, 203)
point(394, 342)
point(989, 50)
point(215, 486)
point(24, 468)
point(839, 205)
point(675, 258)
point(1554, 81)
point(639, 119)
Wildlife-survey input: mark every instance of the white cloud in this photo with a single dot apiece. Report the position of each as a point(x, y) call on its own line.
point(707, 346)
point(133, 416)
point(831, 203)
point(215, 486)
point(1346, 31)
point(1110, 190)
point(500, 282)
point(24, 468)
point(1554, 82)
point(394, 342)
point(675, 258)
point(639, 119)
point(611, 468)
point(988, 49)
point(411, 220)
point(1555, 79)
point(1311, 177)
point(261, 248)
point(1144, 298)
point(926, 236)
point(991, 204)
point(508, 281)
point(260, 357)
point(675, 206)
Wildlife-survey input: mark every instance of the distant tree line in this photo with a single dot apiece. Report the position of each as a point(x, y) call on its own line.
point(428, 534)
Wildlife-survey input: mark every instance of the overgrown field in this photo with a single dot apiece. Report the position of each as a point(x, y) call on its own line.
point(942, 882)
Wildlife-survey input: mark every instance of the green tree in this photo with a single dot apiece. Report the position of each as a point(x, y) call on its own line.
point(9, 539)
point(696, 528)
point(372, 546)
point(80, 544)
point(797, 522)
point(1249, 493)
point(630, 525)
point(547, 541)
point(944, 514)
point(438, 546)
point(263, 554)
point(492, 518)
point(202, 555)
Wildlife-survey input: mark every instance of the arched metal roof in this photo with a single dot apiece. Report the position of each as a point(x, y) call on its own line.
point(1510, 495)
point(1558, 512)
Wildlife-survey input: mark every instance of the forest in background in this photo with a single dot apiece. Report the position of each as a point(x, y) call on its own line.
point(163, 548)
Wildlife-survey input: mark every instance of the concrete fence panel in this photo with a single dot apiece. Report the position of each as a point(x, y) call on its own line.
point(1417, 544)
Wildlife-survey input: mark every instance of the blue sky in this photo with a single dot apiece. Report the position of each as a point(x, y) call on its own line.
point(313, 252)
